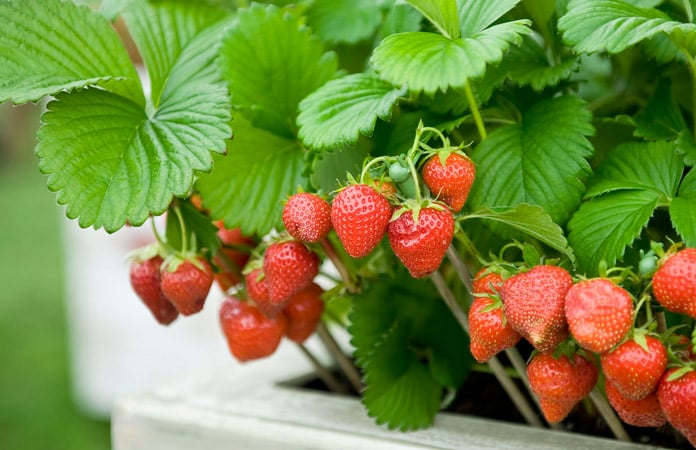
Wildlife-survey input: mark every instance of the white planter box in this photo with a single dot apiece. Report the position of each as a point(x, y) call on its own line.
point(245, 409)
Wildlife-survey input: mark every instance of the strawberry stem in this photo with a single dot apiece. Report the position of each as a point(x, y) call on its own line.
point(351, 372)
point(609, 416)
point(158, 237)
point(184, 240)
point(339, 264)
point(475, 111)
point(366, 167)
point(327, 377)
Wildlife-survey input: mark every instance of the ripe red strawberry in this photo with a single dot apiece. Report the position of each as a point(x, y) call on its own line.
point(645, 412)
point(599, 314)
point(289, 267)
point(146, 282)
point(674, 282)
point(303, 312)
point(187, 286)
point(360, 216)
point(233, 260)
point(490, 333)
point(534, 305)
point(258, 293)
point(677, 399)
point(486, 282)
point(384, 187)
point(559, 383)
point(451, 181)
point(420, 243)
point(307, 217)
point(250, 334)
point(632, 370)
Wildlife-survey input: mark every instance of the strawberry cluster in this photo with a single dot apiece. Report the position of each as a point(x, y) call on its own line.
point(581, 327)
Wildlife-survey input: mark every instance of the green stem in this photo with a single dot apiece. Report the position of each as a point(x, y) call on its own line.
point(371, 163)
point(414, 176)
point(474, 110)
point(609, 416)
point(184, 239)
point(692, 66)
point(350, 371)
point(159, 239)
point(416, 142)
point(339, 264)
point(689, 11)
point(327, 377)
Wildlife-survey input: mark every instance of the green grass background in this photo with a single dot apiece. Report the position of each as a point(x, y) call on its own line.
point(36, 407)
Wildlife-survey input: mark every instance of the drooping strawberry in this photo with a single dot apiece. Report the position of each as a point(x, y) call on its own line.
point(360, 216)
point(674, 282)
point(257, 291)
point(633, 370)
point(645, 412)
point(303, 312)
point(231, 261)
point(146, 282)
point(420, 238)
point(486, 282)
point(560, 383)
point(678, 399)
point(307, 217)
point(250, 334)
point(187, 284)
point(450, 179)
point(489, 331)
point(599, 314)
point(289, 267)
point(534, 303)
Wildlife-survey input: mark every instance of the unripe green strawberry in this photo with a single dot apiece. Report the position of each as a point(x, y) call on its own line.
point(360, 216)
point(534, 305)
point(146, 282)
point(250, 334)
point(186, 285)
point(599, 314)
point(633, 370)
point(289, 267)
point(560, 383)
point(678, 402)
point(307, 217)
point(645, 412)
point(450, 182)
point(674, 282)
point(421, 242)
point(303, 312)
point(490, 333)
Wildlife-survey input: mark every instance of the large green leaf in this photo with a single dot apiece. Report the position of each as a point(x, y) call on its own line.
point(477, 15)
point(682, 210)
point(271, 62)
point(338, 112)
point(529, 65)
point(604, 226)
point(441, 13)
point(162, 30)
point(541, 161)
point(49, 46)
point(661, 117)
point(430, 62)
point(247, 187)
point(344, 21)
point(114, 163)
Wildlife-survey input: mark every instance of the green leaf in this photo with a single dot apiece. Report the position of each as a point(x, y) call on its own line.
point(541, 161)
point(614, 25)
point(271, 62)
point(661, 118)
point(247, 187)
point(197, 224)
point(477, 15)
point(344, 21)
point(541, 11)
point(161, 30)
point(528, 65)
point(604, 226)
point(112, 163)
point(400, 18)
point(531, 220)
point(441, 13)
point(49, 46)
point(686, 146)
point(682, 210)
point(338, 112)
point(429, 62)
point(330, 168)
point(651, 166)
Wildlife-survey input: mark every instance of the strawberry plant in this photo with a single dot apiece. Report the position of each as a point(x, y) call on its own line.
point(397, 147)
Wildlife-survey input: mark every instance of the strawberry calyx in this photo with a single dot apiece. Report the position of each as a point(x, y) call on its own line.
point(414, 207)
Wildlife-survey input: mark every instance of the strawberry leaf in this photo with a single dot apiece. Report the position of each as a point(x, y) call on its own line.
point(682, 210)
point(338, 112)
point(477, 15)
point(247, 186)
point(344, 21)
point(197, 224)
point(49, 46)
point(329, 168)
point(661, 118)
point(441, 13)
point(540, 161)
point(113, 162)
point(528, 65)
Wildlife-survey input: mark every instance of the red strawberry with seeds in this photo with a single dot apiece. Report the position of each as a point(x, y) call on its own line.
point(490, 333)
point(645, 412)
point(486, 282)
point(258, 293)
point(678, 399)
point(450, 180)
point(307, 217)
point(599, 314)
point(187, 284)
point(534, 303)
point(303, 312)
point(250, 334)
point(233, 260)
point(289, 267)
point(560, 383)
point(633, 370)
point(420, 239)
point(146, 282)
point(674, 282)
point(360, 216)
